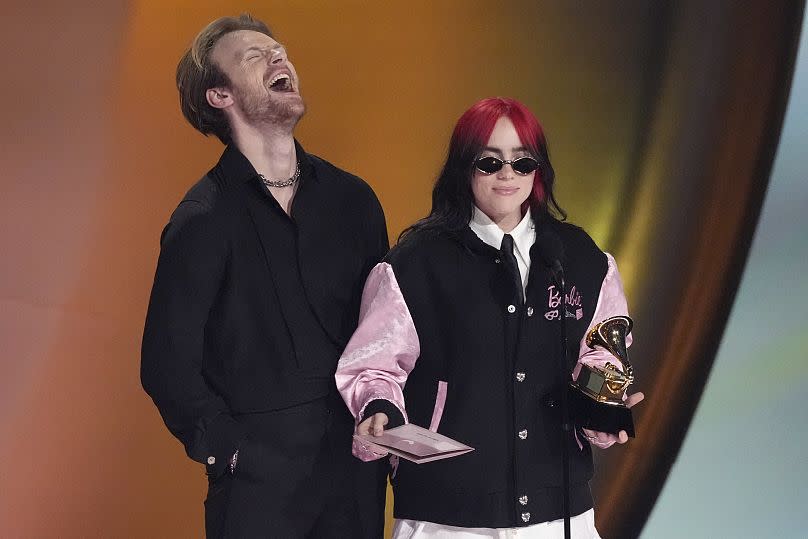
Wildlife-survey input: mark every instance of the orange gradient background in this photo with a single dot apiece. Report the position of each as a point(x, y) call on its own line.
point(647, 111)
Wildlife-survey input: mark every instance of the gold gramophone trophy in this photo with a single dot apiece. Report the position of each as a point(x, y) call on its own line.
point(596, 397)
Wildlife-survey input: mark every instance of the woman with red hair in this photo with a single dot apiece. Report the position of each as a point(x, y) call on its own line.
point(461, 331)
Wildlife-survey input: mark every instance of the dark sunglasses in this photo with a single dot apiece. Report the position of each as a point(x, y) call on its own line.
point(521, 165)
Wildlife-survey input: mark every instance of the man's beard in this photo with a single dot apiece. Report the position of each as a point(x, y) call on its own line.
point(265, 109)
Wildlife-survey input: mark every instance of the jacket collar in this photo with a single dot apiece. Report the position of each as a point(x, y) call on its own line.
point(541, 221)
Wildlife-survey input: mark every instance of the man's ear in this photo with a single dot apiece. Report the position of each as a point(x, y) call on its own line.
point(219, 98)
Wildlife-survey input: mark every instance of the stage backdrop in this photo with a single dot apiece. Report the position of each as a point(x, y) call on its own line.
point(662, 120)
point(741, 471)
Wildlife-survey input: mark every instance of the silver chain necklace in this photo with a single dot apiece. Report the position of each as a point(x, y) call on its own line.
point(282, 183)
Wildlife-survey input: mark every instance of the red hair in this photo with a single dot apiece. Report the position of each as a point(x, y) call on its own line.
point(474, 128)
point(452, 199)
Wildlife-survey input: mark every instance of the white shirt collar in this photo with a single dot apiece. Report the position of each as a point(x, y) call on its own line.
point(524, 234)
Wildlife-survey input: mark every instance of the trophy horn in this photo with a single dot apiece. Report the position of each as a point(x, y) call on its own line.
point(598, 391)
point(611, 334)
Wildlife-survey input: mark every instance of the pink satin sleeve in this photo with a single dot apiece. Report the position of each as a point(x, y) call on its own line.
point(611, 302)
point(381, 353)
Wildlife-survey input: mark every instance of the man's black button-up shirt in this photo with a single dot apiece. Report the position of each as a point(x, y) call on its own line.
point(251, 307)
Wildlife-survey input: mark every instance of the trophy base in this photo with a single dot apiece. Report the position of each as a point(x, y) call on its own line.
point(588, 413)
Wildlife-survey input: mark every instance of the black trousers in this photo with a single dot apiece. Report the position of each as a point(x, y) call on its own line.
point(296, 478)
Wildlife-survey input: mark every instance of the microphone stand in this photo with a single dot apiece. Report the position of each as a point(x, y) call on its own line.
point(558, 273)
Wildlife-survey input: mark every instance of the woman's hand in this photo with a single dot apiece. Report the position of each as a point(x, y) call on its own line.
point(373, 425)
point(605, 439)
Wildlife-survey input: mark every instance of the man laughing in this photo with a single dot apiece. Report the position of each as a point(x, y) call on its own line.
point(256, 294)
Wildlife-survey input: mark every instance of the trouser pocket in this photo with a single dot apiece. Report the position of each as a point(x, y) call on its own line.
point(216, 504)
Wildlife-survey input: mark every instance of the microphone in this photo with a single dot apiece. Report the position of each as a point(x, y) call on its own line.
point(551, 252)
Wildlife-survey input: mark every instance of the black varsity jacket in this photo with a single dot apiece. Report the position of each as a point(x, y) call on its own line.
point(445, 341)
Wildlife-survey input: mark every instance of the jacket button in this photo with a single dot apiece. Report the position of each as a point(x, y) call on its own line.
point(530, 311)
point(523, 434)
point(525, 517)
point(551, 402)
point(511, 309)
point(211, 460)
point(523, 500)
point(520, 377)
point(497, 261)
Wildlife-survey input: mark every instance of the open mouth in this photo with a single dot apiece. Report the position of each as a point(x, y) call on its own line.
point(281, 82)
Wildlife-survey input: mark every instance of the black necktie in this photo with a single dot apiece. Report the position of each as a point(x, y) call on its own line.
point(506, 250)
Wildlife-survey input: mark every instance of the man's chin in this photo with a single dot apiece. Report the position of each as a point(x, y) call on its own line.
point(291, 111)
point(283, 110)
point(298, 106)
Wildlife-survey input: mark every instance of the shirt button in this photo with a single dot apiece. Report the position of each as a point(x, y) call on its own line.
point(525, 517)
point(523, 434)
point(511, 309)
point(523, 500)
point(520, 377)
point(530, 311)
point(211, 460)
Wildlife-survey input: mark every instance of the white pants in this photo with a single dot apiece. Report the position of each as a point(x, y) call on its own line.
point(581, 527)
